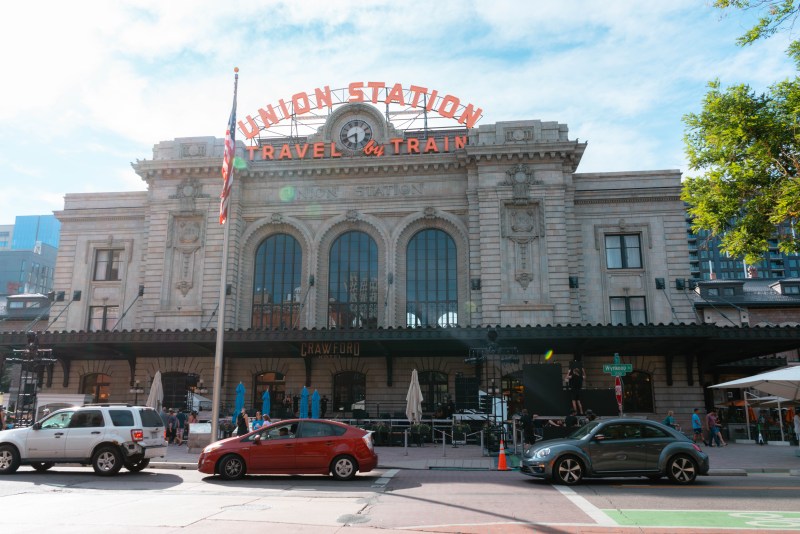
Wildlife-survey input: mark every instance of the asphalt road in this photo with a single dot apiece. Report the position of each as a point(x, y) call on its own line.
point(67, 500)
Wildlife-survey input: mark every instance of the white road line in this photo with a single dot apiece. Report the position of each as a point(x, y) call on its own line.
point(387, 476)
point(588, 508)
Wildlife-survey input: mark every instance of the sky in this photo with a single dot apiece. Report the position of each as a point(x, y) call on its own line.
point(91, 86)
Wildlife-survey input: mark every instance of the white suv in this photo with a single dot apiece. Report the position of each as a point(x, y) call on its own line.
point(107, 436)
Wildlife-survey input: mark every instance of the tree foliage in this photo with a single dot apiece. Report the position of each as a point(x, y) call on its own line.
point(747, 147)
point(775, 16)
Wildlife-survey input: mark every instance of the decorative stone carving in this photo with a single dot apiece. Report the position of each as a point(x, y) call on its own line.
point(186, 238)
point(430, 212)
point(352, 216)
point(277, 218)
point(187, 192)
point(520, 178)
point(521, 226)
point(519, 135)
point(193, 150)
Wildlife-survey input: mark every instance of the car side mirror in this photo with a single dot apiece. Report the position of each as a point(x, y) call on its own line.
point(37, 426)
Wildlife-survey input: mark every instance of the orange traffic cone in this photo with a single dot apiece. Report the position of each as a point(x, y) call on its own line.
point(501, 459)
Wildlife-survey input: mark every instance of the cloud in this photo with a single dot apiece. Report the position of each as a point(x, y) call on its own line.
point(95, 85)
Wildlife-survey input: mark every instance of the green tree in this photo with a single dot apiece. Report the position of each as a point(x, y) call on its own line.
point(746, 146)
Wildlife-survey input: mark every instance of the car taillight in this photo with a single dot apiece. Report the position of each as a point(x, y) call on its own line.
point(137, 435)
point(368, 440)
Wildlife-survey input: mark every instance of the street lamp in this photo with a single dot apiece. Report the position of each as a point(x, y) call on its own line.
point(136, 389)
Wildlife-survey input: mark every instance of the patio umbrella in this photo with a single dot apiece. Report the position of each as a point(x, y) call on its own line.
point(304, 403)
point(315, 402)
point(265, 403)
point(414, 400)
point(239, 400)
point(156, 395)
point(780, 382)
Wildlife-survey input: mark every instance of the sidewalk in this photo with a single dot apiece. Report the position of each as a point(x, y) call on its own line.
point(735, 459)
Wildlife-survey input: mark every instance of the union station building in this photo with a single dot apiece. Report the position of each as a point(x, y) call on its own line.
point(365, 248)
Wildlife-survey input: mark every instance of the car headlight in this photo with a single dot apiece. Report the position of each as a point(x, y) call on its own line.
point(212, 447)
point(541, 453)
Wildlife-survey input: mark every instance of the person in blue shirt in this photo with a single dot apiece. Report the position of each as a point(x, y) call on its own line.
point(258, 421)
point(697, 427)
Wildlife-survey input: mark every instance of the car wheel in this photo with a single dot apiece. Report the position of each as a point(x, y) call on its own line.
point(232, 467)
point(135, 467)
point(681, 469)
point(42, 466)
point(107, 461)
point(9, 459)
point(344, 468)
point(568, 470)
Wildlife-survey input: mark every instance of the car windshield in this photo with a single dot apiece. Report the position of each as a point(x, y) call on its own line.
point(583, 431)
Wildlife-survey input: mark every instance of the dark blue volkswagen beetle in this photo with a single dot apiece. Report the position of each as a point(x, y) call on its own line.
point(621, 447)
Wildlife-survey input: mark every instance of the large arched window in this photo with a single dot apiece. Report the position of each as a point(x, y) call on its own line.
point(353, 281)
point(349, 387)
point(176, 386)
point(431, 280)
point(637, 392)
point(277, 283)
point(434, 390)
point(98, 386)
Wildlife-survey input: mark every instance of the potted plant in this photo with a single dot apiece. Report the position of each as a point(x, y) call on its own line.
point(420, 433)
point(381, 433)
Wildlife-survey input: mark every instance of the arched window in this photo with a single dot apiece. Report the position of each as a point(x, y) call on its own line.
point(277, 284)
point(431, 279)
point(637, 392)
point(353, 281)
point(434, 390)
point(97, 385)
point(276, 385)
point(349, 387)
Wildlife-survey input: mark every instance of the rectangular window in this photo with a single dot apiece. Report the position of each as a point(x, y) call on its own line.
point(623, 252)
point(713, 292)
point(102, 318)
point(628, 310)
point(106, 265)
point(791, 290)
point(728, 291)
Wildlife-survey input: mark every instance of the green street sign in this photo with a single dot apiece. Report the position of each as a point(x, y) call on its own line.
point(616, 368)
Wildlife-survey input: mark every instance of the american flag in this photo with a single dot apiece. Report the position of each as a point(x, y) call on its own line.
point(227, 161)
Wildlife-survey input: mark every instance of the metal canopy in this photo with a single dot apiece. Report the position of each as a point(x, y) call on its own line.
point(713, 344)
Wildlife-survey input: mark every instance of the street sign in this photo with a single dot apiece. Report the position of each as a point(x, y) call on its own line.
point(618, 391)
point(617, 369)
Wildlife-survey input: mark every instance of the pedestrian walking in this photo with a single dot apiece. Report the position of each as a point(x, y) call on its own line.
point(172, 426)
point(323, 405)
point(242, 423)
point(669, 420)
point(180, 428)
point(697, 427)
point(713, 429)
point(258, 421)
point(797, 426)
point(2, 419)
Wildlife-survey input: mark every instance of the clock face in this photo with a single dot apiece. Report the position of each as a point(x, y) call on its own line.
point(355, 134)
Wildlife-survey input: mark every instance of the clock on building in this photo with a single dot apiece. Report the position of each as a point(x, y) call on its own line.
point(355, 134)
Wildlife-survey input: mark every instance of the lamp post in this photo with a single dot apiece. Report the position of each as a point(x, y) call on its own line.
point(136, 389)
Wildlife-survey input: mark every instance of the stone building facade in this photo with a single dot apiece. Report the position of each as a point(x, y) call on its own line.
point(334, 247)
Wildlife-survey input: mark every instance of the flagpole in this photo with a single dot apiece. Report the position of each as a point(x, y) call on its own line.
point(217, 389)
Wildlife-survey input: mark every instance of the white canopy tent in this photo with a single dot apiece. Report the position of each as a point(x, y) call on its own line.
point(781, 383)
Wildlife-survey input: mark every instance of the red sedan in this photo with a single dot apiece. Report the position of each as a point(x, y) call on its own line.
point(292, 447)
